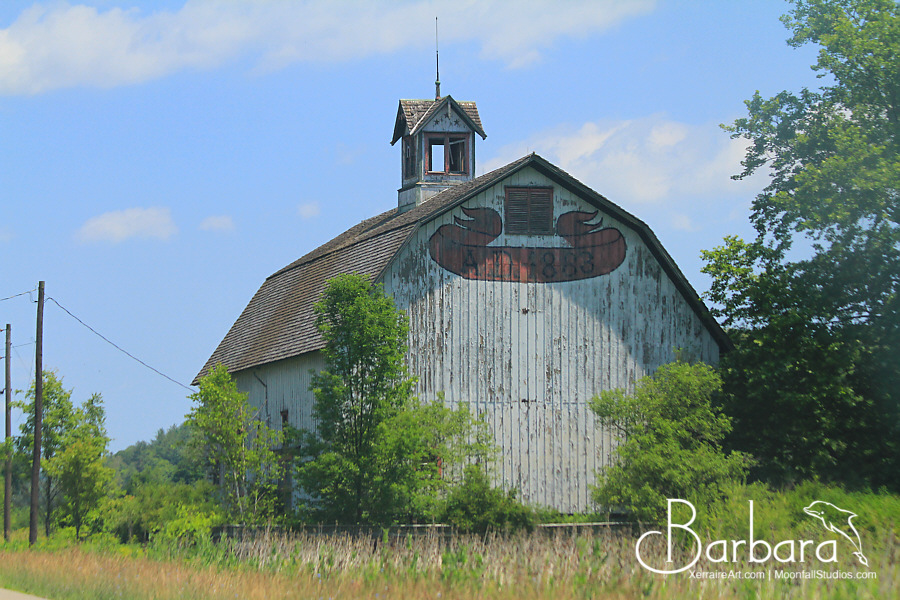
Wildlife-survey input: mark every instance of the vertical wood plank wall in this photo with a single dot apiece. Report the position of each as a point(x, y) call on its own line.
point(529, 356)
point(282, 385)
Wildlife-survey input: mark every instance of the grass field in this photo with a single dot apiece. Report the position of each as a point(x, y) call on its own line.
point(520, 567)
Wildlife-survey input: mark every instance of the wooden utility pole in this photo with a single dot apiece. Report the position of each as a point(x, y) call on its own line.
point(7, 482)
point(38, 418)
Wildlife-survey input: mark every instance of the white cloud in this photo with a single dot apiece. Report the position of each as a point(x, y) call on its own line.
point(683, 223)
point(64, 45)
point(6, 235)
point(309, 210)
point(651, 160)
point(666, 135)
point(217, 223)
point(120, 225)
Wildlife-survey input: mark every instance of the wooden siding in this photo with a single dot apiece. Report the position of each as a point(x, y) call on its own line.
point(529, 356)
point(282, 385)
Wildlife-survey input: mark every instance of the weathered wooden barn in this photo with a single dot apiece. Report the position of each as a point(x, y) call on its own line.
point(527, 294)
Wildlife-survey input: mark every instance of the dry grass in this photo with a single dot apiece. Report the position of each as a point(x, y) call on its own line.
point(308, 566)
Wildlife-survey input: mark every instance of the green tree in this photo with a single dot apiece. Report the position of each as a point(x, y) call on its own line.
point(58, 421)
point(420, 455)
point(237, 445)
point(364, 384)
point(80, 466)
point(670, 444)
point(154, 508)
point(167, 459)
point(813, 299)
point(379, 455)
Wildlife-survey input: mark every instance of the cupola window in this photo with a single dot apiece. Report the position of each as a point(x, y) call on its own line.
point(447, 154)
point(409, 157)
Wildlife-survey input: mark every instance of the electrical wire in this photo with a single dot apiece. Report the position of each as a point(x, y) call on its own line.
point(16, 295)
point(28, 366)
point(119, 348)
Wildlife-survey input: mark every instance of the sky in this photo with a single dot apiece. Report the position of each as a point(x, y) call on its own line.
point(158, 160)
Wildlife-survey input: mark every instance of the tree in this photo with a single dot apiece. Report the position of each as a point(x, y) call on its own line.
point(378, 454)
point(670, 445)
point(419, 456)
point(813, 300)
point(167, 459)
point(237, 445)
point(80, 466)
point(364, 384)
point(149, 509)
point(58, 422)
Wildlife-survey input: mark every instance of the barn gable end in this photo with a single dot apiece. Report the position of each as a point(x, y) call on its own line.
point(528, 345)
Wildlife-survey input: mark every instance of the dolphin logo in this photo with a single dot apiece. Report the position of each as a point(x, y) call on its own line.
point(839, 521)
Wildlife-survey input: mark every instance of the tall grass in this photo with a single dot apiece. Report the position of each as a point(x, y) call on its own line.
point(522, 567)
point(305, 566)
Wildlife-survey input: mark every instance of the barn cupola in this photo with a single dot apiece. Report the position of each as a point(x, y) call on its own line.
point(438, 146)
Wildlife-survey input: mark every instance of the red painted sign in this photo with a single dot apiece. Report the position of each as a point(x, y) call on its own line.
point(462, 248)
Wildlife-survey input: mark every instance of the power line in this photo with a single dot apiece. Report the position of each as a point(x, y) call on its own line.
point(27, 365)
point(20, 345)
point(119, 348)
point(16, 295)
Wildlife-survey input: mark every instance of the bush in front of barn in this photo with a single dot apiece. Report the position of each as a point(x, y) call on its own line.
point(671, 443)
point(475, 507)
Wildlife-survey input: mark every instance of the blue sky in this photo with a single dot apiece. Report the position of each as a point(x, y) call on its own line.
point(159, 159)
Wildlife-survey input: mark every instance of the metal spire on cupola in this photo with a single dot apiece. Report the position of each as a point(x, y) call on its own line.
point(437, 63)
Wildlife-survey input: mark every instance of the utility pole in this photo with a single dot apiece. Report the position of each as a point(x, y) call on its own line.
point(38, 417)
point(7, 483)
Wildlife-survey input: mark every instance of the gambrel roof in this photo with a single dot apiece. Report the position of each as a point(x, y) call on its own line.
point(413, 115)
point(279, 321)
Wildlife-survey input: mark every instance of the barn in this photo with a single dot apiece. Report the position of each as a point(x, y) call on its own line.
point(527, 294)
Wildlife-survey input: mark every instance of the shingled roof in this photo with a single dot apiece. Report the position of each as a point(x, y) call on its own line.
point(279, 321)
point(413, 115)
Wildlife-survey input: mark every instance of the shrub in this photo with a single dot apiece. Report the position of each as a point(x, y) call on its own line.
point(672, 442)
point(475, 506)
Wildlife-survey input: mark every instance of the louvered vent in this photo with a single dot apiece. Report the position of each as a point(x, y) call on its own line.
point(529, 210)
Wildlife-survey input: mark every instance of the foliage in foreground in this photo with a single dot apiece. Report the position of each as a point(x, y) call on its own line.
point(671, 444)
point(239, 447)
point(476, 507)
point(164, 511)
point(80, 465)
point(74, 473)
point(58, 420)
point(599, 564)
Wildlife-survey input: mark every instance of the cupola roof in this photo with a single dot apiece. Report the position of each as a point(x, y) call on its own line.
point(413, 115)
